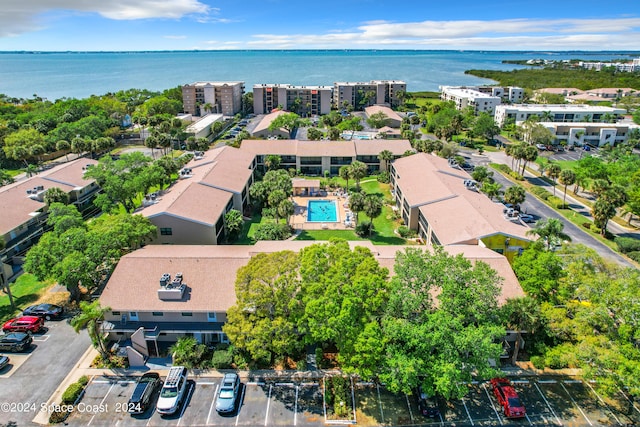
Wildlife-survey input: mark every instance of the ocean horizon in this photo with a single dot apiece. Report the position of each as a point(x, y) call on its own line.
point(80, 74)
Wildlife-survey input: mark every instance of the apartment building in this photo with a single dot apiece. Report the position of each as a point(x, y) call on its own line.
point(393, 119)
point(162, 292)
point(202, 128)
point(303, 100)
point(628, 67)
point(360, 95)
point(594, 134)
point(262, 128)
point(201, 98)
point(23, 212)
point(464, 97)
point(439, 202)
point(508, 94)
point(562, 113)
point(192, 210)
point(316, 157)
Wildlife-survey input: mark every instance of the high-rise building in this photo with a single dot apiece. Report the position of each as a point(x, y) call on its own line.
point(201, 98)
point(360, 95)
point(302, 100)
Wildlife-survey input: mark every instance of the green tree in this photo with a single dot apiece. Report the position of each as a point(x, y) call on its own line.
point(90, 318)
point(439, 344)
point(20, 144)
point(378, 120)
point(345, 173)
point(372, 208)
point(268, 304)
point(56, 194)
point(482, 174)
point(522, 315)
point(188, 352)
point(491, 189)
point(485, 126)
point(539, 272)
point(233, 224)
point(567, 177)
point(602, 211)
point(358, 170)
point(356, 203)
point(553, 171)
point(272, 161)
point(333, 133)
point(288, 121)
point(550, 232)
point(529, 154)
point(314, 134)
point(386, 156)
point(64, 145)
point(515, 195)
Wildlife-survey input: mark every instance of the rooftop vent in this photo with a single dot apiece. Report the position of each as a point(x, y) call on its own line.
point(171, 290)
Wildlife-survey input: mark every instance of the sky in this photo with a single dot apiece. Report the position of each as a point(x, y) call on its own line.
point(134, 25)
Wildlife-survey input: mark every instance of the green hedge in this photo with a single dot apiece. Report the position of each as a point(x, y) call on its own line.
point(557, 202)
point(634, 255)
point(627, 244)
point(541, 193)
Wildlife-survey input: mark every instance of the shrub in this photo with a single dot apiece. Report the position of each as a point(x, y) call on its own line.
point(537, 362)
point(84, 380)
point(557, 202)
point(301, 365)
point(241, 360)
point(58, 416)
point(222, 359)
point(383, 177)
point(272, 231)
point(541, 193)
point(634, 255)
point(319, 356)
point(406, 232)
point(515, 175)
point(562, 356)
point(502, 168)
point(627, 244)
point(72, 393)
point(594, 228)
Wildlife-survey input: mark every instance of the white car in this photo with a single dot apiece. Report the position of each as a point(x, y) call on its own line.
point(173, 391)
point(541, 147)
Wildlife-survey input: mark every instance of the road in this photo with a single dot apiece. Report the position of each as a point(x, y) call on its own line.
point(540, 210)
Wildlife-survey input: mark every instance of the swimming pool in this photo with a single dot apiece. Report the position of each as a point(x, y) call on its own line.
point(322, 211)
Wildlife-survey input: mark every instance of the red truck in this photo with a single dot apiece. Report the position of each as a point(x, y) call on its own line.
point(508, 398)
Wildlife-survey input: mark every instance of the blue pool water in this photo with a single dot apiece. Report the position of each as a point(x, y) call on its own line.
point(322, 211)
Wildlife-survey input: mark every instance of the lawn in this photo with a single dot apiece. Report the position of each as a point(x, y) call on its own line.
point(328, 235)
point(26, 290)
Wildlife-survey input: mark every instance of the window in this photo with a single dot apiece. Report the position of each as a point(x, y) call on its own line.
point(157, 314)
point(115, 313)
point(166, 231)
point(186, 314)
point(211, 316)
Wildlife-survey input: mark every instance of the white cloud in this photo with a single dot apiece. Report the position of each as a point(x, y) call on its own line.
point(21, 16)
point(516, 34)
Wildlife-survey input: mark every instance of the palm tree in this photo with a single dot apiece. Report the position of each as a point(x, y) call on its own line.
point(386, 156)
point(567, 177)
point(522, 315)
point(63, 145)
point(372, 208)
point(550, 231)
point(515, 195)
point(356, 204)
point(529, 154)
point(345, 173)
point(90, 318)
point(491, 189)
point(358, 171)
point(272, 161)
point(553, 171)
point(233, 223)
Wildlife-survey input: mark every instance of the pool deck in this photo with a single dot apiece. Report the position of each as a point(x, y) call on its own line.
point(299, 219)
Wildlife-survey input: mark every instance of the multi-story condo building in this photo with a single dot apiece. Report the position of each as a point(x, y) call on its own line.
point(303, 100)
point(360, 95)
point(464, 97)
point(509, 94)
point(594, 134)
point(629, 67)
point(23, 212)
point(200, 98)
point(557, 113)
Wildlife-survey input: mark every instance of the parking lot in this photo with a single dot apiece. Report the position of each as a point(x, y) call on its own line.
point(549, 401)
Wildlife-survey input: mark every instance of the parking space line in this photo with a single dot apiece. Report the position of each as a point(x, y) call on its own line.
point(295, 410)
point(284, 384)
point(258, 383)
point(184, 403)
point(547, 381)
point(266, 415)
point(380, 403)
point(528, 419)
point(409, 406)
point(574, 402)
point(101, 402)
point(604, 403)
point(548, 405)
point(467, 409)
point(240, 403)
point(215, 391)
point(484, 387)
point(627, 397)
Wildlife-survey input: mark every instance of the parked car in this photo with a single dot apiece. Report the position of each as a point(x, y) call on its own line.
point(541, 147)
point(4, 361)
point(508, 206)
point(48, 311)
point(143, 393)
point(586, 148)
point(228, 394)
point(15, 341)
point(508, 398)
point(427, 405)
point(528, 218)
point(31, 324)
point(173, 391)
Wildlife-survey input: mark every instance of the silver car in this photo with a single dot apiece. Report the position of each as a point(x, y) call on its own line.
point(228, 394)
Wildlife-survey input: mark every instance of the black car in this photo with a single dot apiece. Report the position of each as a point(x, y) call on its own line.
point(48, 311)
point(142, 396)
point(15, 341)
point(4, 361)
point(427, 405)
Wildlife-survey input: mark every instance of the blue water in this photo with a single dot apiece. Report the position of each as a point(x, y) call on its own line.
point(322, 211)
point(81, 74)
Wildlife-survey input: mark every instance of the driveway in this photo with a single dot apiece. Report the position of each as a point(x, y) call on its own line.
point(38, 373)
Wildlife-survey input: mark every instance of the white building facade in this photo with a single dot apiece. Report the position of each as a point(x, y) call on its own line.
point(558, 113)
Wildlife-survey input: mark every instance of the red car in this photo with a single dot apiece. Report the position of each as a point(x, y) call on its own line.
point(31, 324)
point(508, 398)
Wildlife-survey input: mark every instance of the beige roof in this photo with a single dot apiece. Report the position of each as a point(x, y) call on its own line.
point(266, 121)
point(389, 130)
point(305, 183)
point(456, 214)
point(203, 197)
point(281, 147)
point(210, 272)
point(373, 147)
point(560, 90)
point(17, 208)
point(326, 148)
point(373, 109)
